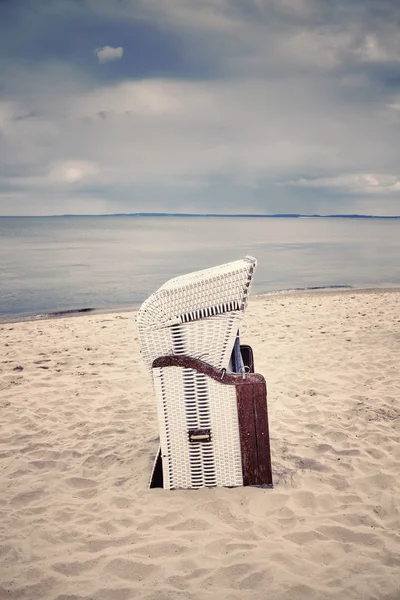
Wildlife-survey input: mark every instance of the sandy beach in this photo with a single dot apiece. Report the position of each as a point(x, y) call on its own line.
point(78, 436)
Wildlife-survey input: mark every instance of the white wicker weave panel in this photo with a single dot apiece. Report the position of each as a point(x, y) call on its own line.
point(233, 271)
point(225, 429)
point(173, 430)
point(190, 400)
point(209, 339)
point(199, 294)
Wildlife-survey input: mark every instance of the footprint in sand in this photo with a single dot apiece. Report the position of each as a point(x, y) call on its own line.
point(28, 497)
point(75, 568)
point(130, 570)
point(80, 482)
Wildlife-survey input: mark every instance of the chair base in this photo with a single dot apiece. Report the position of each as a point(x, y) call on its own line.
point(157, 478)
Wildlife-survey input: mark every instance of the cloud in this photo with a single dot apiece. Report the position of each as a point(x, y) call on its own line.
point(72, 172)
point(254, 106)
point(108, 53)
point(365, 183)
point(248, 131)
point(162, 137)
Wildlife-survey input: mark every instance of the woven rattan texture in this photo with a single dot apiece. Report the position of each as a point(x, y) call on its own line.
point(176, 319)
point(198, 315)
point(208, 405)
point(209, 339)
point(220, 288)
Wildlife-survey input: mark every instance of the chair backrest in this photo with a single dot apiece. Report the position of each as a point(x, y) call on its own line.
point(197, 314)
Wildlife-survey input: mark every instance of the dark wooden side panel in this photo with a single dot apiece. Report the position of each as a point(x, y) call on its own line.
point(262, 433)
point(254, 433)
point(247, 434)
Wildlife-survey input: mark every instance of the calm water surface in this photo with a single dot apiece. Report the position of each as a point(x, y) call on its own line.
point(61, 263)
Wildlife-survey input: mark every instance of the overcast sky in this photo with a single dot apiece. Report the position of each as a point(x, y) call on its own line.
point(261, 106)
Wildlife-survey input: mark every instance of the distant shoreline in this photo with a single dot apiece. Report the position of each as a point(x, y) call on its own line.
point(213, 215)
point(113, 309)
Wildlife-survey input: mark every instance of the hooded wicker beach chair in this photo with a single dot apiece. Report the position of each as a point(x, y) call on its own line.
point(212, 409)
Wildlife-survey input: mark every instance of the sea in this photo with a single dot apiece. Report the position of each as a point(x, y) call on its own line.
point(51, 265)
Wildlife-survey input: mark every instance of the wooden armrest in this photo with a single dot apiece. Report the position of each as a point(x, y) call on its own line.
point(188, 362)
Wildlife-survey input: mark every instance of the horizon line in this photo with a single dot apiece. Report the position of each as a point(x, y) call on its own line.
point(218, 215)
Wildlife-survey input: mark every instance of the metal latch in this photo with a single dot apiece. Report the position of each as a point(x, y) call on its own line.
point(199, 435)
